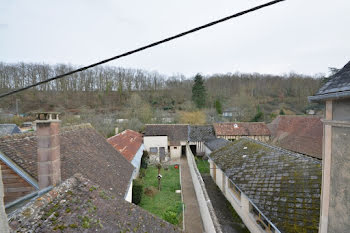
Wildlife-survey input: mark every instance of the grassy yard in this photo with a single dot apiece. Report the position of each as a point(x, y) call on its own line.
point(202, 165)
point(165, 203)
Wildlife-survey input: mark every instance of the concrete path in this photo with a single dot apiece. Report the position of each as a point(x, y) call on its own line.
point(193, 220)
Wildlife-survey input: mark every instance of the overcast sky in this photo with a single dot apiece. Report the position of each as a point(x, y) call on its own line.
point(304, 36)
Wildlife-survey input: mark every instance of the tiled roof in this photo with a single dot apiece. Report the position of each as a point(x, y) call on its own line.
point(83, 150)
point(216, 143)
point(285, 186)
point(337, 86)
point(127, 143)
point(241, 129)
point(302, 134)
point(6, 129)
point(200, 133)
point(79, 205)
point(175, 132)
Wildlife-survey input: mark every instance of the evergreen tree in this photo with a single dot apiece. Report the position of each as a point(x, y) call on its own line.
point(218, 106)
point(198, 91)
point(259, 116)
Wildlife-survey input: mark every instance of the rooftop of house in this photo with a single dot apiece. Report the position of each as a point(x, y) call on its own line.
point(216, 143)
point(301, 134)
point(127, 143)
point(199, 133)
point(338, 86)
point(79, 205)
point(241, 129)
point(175, 132)
point(6, 129)
point(285, 186)
point(83, 150)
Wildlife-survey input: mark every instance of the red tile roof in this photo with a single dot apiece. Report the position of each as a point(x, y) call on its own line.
point(127, 143)
point(302, 134)
point(241, 129)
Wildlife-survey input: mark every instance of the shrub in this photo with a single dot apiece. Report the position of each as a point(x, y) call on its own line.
point(144, 160)
point(171, 216)
point(142, 173)
point(137, 189)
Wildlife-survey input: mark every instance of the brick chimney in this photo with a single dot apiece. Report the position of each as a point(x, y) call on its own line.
point(49, 163)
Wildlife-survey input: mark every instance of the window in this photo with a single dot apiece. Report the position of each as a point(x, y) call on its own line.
point(175, 147)
point(231, 139)
point(260, 220)
point(153, 150)
point(234, 190)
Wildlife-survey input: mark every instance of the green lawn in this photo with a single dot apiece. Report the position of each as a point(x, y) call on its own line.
point(165, 203)
point(202, 165)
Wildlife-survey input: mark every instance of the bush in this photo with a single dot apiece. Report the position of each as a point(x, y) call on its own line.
point(142, 173)
point(171, 216)
point(144, 160)
point(137, 189)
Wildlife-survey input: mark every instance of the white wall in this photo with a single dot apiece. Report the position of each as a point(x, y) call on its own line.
point(175, 154)
point(128, 196)
point(136, 161)
point(155, 141)
point(240, 206)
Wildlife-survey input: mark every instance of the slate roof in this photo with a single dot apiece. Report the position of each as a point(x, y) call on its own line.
point(337, 87)
point(200, 133)
point(242, 129)
point(79, 205)
point(216, 143)
point(83, 150)
point(285, 186)
point(127, 143)
point(6, 129)
point(302, 134)
point(175, 132)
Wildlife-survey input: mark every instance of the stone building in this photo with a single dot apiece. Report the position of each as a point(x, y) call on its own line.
point(165, 142)
point(335, 204)
point(235, 130)
point(197, 135)
point(271, 189)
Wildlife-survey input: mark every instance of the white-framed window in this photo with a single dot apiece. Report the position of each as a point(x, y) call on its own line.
point(234, 190)
point(153, 150)
point(260, 220)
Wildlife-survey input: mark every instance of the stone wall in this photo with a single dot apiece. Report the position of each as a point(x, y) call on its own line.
point(209, 219)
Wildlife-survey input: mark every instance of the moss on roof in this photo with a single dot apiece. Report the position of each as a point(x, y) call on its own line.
point(285, 186)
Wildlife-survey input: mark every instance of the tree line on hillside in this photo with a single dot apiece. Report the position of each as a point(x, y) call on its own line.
point(108, 89)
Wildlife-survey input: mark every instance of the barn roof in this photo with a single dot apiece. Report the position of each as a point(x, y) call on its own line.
point(175, 132)
point(216, 143)
point(83, 150)
point(199, 133)
point(302, 134)
point(337, 87)
point(127, 143)
point(79, 205)
point(241, 129)
point(285, 186)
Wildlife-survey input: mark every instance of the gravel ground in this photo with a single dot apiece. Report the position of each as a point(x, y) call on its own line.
point(229, 220)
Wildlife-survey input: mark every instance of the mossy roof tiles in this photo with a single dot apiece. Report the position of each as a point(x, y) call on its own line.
point(79, 205)
point(285, 186)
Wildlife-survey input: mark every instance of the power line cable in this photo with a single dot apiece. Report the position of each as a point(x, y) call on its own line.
point(145, 47)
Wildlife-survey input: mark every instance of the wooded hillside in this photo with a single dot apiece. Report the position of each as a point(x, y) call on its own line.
point(112, 89)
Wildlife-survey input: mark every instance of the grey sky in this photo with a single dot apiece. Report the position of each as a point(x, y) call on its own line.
point(304, 36)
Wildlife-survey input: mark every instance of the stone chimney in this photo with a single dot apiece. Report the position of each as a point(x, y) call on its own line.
point(49, 163)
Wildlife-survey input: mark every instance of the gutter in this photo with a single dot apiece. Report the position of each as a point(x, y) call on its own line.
point(19, 171)
point(32, 195)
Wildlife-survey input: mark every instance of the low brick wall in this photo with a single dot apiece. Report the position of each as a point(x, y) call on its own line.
point(210, 222)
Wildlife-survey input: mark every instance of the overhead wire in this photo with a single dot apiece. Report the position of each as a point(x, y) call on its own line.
point(145, 47)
